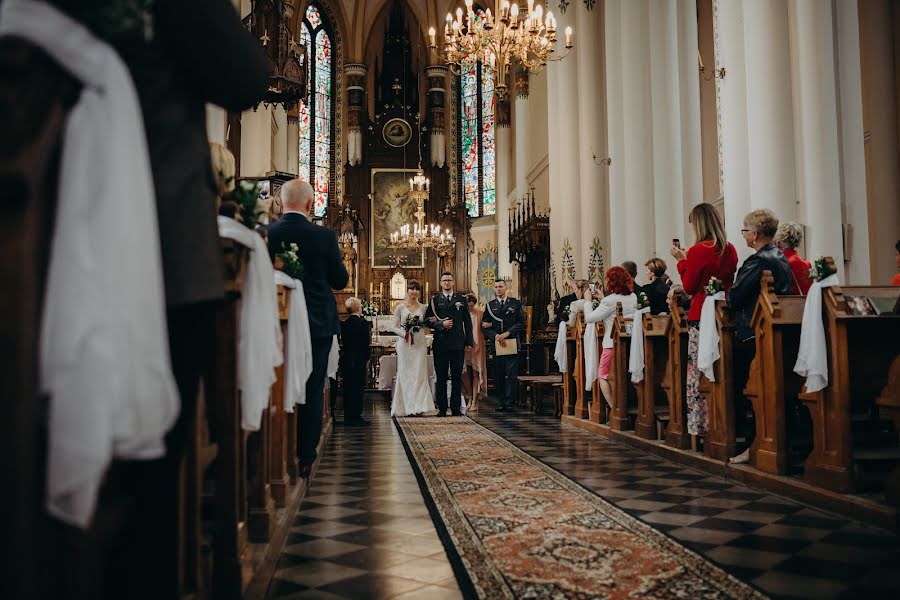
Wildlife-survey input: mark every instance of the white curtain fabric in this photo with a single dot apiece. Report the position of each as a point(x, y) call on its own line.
point(354, 147)
point(104, 351)
point(438, 152)
point(591, 358)
point(636, 358)
point(259, 341)
point(708, 344)
point(559, 352)
point(812, 355)
point(298, 365)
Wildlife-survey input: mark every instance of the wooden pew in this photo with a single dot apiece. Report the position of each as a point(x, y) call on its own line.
point(772, 384)
point(861, 350)
point(581, 401)
point(720, 441)
point(889, 403)
point(231, 552)
point(570, 376)
point(624, 406)
point(674, 382)
point(653, 405)
point(279, 479)
point(598, 408)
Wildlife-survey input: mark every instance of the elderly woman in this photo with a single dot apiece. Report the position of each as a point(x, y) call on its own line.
point(788, 238)
point(475, 367)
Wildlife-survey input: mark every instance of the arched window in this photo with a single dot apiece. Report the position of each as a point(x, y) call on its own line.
point(316, 112)
point(476, 134)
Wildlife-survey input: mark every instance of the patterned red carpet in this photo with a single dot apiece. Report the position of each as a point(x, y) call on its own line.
point(520, 529)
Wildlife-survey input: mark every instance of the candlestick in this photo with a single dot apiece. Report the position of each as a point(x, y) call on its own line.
point(431, 35)
point(371, 289)
point(568, 37)
point(381, 289)
point(426, 290)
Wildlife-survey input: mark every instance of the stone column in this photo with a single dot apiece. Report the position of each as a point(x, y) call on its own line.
point(565, 196)
point(554, 175)
point(293, 142)
point(522, 126)
point(770, 119)
point(735, 152)
point(216, 123)
point(356, 103)
point(503, 154)
point(279, 138)
point(618, 225)
point(437, 103)
point(816, 126)
point(256, 142)
point(592, 131)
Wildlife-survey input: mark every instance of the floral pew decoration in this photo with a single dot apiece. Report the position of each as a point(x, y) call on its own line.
point(708, 344)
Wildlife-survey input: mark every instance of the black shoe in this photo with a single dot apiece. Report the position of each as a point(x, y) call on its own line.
point(442, 414)
point(501, 408)
point(456, 413)
point(305, 471)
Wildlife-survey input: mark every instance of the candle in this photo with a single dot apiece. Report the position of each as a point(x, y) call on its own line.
point(371, 288)
point(381, 288)
point(426, 290)
point(568, 37)
point(431, 35)
point(514, 12)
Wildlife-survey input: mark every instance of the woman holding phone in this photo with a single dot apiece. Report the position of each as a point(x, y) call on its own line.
point(710, 256)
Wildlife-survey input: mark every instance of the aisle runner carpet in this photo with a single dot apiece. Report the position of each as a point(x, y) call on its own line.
point(522, 530)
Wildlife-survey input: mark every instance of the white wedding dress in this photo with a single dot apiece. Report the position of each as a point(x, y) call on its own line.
point(412, 392)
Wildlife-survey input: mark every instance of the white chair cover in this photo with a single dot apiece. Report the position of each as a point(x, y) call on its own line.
point(636, 357)
point(298, 344)
point(812, 355)
point(708, 345)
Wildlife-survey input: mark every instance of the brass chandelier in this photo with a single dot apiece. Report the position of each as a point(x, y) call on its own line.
point(420, 235)
point(499, 40)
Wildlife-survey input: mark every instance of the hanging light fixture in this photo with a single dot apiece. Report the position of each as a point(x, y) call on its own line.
point(499, 40)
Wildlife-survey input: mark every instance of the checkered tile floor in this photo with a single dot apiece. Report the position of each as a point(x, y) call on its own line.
point(784, 548)
point(363, 530)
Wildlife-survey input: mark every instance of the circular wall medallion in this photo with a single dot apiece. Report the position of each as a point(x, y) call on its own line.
point(396, 133)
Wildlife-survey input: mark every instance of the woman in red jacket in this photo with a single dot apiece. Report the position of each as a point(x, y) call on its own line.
point(710, 256)
point(788, 238)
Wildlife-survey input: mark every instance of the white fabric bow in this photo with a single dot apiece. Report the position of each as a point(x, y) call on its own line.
point(298, 365)
point(812, 355)
point(590, 355)
point(104, 350)
point(636, 358)
point(259, 342)
point(559, 353)
point(708, 345)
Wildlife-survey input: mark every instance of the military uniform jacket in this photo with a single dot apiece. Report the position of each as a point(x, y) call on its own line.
point(508, 317)
point(457, 309)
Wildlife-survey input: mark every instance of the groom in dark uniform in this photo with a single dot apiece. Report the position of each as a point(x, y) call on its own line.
point(504, 321)
point(448, 316)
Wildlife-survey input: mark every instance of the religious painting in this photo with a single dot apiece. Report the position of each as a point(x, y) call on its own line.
point(396, 133)
point(487, 273)
point(392, 207)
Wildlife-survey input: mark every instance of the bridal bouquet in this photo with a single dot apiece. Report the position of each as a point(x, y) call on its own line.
point(642, 301)
point(291, 263)
point(411, 326)
point(820, 269)
point(714, 287)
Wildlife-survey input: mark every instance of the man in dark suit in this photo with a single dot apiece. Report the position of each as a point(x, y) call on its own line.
point(503, 320)
point(355, 354)
point(631, 267)
point(448, 314)
point(323, 272)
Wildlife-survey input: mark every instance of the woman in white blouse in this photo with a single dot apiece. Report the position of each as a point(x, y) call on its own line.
point(619, 288)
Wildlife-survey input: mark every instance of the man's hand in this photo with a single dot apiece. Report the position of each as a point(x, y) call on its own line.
point(448, 324)
point(487, 325)
point(502, 341)
point(503, 336)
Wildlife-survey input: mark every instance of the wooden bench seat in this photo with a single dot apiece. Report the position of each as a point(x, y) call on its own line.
point(653, 405)
point(624, 406)
point(674, 381)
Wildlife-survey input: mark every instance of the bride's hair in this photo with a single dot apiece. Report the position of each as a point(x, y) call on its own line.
point(414, 285)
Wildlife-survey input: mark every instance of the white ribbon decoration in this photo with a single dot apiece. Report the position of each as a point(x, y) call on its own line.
point(812, 355)
point(559, 354)
point(298, 344)
point(590, 355)
point(636, 357)
point(708, 351)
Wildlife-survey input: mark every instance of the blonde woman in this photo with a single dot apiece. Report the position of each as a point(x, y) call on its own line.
point(710, 256)
point(475, 367)
point(788, 238)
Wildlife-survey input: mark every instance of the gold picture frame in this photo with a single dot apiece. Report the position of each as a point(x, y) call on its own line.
point(391, 207)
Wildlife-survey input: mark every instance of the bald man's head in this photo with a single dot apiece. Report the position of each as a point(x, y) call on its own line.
point(297, 195)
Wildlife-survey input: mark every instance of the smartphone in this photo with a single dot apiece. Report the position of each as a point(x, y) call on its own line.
point(676, 242)
point(593, 288)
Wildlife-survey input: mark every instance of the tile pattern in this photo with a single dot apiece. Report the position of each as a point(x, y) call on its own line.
point(363, 530)
point(784, 548)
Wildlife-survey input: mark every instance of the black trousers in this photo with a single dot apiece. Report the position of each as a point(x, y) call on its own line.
point(354, 384)
point(448, 360)
point(309, 415)
point(506, 372)
point(744, 420)
point(135, 530)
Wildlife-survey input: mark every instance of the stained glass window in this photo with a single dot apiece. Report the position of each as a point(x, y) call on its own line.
point(316, 112)
point(476, 134)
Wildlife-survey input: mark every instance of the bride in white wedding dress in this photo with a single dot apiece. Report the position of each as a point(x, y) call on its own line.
point(412, 392)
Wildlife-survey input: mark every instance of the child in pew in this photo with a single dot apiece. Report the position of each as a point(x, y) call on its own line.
point(760, 227)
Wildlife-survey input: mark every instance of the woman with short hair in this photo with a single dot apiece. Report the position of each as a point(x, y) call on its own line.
point(788, 238)
point(710, 256)
point(658, 288)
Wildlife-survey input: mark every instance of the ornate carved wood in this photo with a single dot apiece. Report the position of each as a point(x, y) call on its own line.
point(674, 383)
point(652, 401)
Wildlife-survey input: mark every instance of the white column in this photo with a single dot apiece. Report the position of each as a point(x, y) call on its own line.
point(568, 191)
point(293, 145)
point(691, 145)
point(592, 132)
point(852, 161)
point(770, 116)
point(636, 114)
point(280, 138)
point(504, 156)
point(256, 142)
point(816, 126)
point(618, 224)
point(555, 174)
point(736, 180)
point(216, 123)
point(521, 123)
